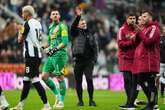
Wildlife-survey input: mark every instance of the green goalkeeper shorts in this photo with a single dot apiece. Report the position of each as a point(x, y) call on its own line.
point(55, 64)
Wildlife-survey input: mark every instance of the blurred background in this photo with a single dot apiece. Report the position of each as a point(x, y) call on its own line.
point(104, 18)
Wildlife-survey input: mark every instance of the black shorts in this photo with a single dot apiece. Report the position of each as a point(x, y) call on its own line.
point(32, 67)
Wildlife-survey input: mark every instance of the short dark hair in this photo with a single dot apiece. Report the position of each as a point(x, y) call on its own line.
point(55, 10)
point(131, 14)
point(147, 11)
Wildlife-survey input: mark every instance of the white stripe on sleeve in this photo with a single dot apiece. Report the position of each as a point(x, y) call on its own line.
point(120, 33)
point(152, 31)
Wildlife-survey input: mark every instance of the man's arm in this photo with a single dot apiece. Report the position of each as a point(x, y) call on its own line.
point(63, 44)
point(76, 22)
point(74, 29)
point(96, 48)
point(64, 37)
point(124, 43)
point(23, 32)
point(153, 36)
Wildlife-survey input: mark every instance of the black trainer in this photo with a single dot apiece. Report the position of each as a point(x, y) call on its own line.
point(147, 107)
point(156, 107)
point(92, 103)
point(127, 107)
point(80, 103)
point(123, 107)
point(140, 102)
point(131, 107)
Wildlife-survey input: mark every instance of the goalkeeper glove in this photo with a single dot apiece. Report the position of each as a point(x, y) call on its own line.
point(20, 29)
point(52, 51)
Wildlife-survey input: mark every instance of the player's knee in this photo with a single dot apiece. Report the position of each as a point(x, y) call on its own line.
point(60, 78)
point(89, 78)
point(35, 80)
point(45, 76)
point(25, 78)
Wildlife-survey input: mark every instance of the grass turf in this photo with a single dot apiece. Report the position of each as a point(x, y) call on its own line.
point(106, 100)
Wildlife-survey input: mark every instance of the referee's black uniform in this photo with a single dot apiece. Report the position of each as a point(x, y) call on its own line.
point(84, 51)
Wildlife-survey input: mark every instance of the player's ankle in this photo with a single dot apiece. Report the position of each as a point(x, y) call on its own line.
point(21, 104)
point(47, 105)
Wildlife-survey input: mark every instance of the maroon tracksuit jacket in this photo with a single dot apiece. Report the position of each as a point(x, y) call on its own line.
point(126, 48)
point(147, 53)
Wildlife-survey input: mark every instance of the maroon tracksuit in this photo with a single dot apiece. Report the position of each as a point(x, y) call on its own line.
point(126, 55)
point(147, 53)
point(147, 61)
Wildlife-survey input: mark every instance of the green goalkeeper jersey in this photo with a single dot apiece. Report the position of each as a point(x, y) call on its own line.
point(58, 37)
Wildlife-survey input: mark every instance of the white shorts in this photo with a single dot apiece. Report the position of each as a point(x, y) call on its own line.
point(162, 73)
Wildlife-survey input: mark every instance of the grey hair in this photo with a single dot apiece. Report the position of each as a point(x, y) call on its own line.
point(84, 18)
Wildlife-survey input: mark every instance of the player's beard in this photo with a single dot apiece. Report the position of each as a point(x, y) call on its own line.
point(132, 24)
point(147, 21)
point(56, 20)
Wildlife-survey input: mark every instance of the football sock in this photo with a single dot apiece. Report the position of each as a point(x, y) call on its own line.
point(25, 91)
point(47, 105)
point(62, 89)
point(41, 91)
point(52, 86)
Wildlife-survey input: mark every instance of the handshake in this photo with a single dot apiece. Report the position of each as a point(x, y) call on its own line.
point(49, 51)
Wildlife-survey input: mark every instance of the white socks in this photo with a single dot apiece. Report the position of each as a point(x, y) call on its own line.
point(47, 105)
point(3, 100)
point(21, 104)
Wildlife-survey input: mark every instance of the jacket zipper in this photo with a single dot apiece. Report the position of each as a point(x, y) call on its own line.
point(149, 62)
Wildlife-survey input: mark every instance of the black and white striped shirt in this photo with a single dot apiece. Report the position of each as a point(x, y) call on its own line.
point(32, 33)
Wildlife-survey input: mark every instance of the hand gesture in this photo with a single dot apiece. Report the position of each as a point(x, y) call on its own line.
point(138, 28)
point(128, 36)
point(50, 52)
point(78, 11)
point(20, 28)
point(131, 36)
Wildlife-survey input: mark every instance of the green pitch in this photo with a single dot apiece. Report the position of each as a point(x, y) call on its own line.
point(106, 100)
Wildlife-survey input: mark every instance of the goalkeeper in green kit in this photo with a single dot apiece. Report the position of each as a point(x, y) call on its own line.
point(57, 58)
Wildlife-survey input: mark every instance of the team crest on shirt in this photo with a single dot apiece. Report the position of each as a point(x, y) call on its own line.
point(55, 32)
point(64, 33)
